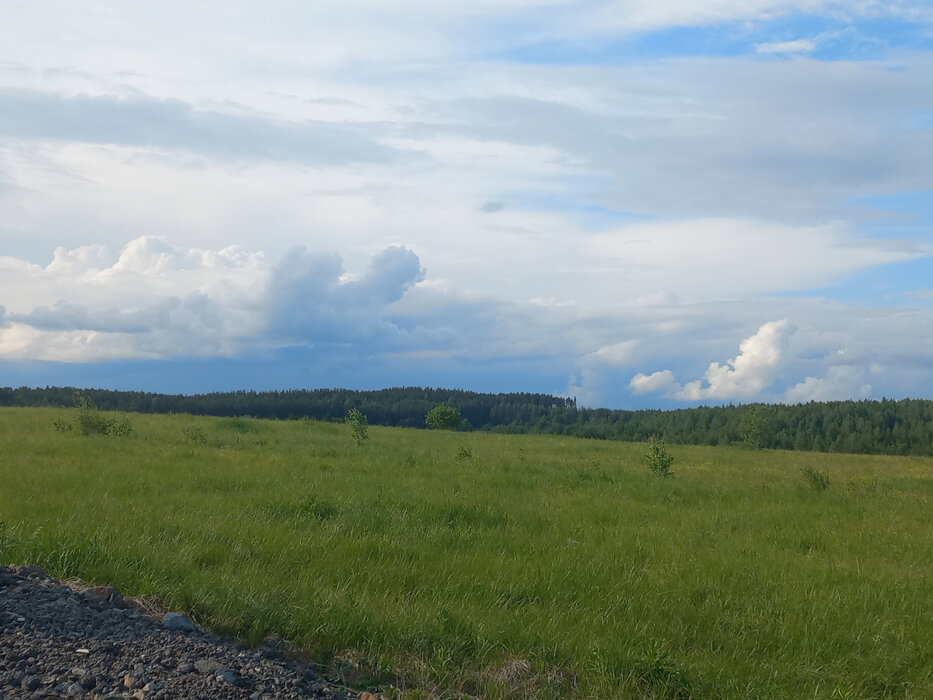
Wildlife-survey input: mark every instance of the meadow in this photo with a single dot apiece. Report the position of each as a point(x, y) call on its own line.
point(443, 564)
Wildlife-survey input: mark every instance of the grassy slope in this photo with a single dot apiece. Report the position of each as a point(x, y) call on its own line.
point(540, 566)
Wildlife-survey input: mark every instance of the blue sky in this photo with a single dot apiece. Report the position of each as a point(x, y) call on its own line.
point(635, 202)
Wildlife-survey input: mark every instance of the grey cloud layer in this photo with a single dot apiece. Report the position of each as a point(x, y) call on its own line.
point(146, 122)
point(710, 137)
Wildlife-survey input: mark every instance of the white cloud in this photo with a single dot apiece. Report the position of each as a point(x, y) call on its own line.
point(748, 373)
point(617, 353)
point(745, 376)
point(841, 382)
point(175, 302)
point(87, 259)
point(662, 381)
point(156, 300)
point(724, 258)
point(796, 46)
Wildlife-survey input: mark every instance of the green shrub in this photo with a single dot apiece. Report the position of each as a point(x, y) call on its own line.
point(91, 421)
point(358, 425)
point(657, 458)
point(194, 434)
point(443, 417)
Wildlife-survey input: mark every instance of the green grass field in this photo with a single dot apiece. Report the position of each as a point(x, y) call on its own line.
point(497, 566)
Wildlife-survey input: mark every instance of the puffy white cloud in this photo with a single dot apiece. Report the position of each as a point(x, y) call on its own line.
point(148, 256)
point(745, 376)
point(156, 300)
point(617, 353)
point(86, 259)
point(841, 382)
point(661, 381)
point(748, 373)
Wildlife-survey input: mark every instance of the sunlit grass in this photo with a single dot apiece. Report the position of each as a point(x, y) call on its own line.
point(501, 566)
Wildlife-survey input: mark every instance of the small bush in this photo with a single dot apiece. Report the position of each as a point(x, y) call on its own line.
point(443, 417)
point(818, 480)
point(194, 434)
point(358, 425)
point(91, 421)
point(119, 427)
point(657, 458)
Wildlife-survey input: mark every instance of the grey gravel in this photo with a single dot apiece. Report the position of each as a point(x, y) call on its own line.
point(57, 642)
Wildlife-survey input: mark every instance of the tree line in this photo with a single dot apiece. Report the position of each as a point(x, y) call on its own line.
point(903, 427)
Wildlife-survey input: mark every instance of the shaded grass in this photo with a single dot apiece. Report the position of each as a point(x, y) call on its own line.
point(538, 567)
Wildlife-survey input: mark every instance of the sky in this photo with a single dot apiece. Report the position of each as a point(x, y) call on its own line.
point(637, 203)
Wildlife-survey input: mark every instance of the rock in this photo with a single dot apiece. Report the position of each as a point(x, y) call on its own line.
point(227, 676)
point(207, 665)
point(177, 621)
point(6, 580)
point(103, 596)
point(75, 689)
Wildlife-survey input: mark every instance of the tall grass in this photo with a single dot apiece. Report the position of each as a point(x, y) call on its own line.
point(538, 567)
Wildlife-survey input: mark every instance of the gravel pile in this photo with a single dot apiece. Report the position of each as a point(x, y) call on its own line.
point(56, 641)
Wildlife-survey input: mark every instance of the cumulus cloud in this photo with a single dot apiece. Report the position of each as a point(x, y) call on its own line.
point(310, 298)
point(745, 376)
point(153, 299)
point(81, 260)
point(661, 381)
point(841, 382)
point(617, 353)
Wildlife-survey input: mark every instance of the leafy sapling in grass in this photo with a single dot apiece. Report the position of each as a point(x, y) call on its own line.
point(91, 421)
point(657, 458)
point(358, 425)
point(818, 480)
point(195, 434)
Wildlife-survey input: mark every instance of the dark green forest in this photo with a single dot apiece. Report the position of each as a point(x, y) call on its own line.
point(902, 427)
